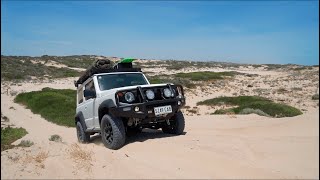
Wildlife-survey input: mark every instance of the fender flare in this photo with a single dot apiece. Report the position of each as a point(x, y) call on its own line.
point(80, 116)
point(106, 104)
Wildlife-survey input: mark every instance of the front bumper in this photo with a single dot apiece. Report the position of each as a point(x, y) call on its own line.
point(146, 109)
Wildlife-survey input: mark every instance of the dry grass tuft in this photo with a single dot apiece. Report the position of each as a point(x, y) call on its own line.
point(80, 156)
point(41, 156)
point(37, 160)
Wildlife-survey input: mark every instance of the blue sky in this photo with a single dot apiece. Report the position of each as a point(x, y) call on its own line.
point(235, 31)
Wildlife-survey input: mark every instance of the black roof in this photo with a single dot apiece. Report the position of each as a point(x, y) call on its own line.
point(92, 71)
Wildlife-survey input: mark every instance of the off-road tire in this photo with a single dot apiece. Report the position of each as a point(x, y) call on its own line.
point(112, 132)
point(176, 126)
point(83, 137)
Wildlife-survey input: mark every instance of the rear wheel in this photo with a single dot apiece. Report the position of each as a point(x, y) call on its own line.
point(83, 137)
point(176, 126)
point(112, 132)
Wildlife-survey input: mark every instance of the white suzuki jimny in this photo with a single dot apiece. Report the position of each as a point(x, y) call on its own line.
point(120, 101)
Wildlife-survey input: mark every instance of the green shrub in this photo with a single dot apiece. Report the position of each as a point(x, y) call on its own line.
point(300, 68)
point(223, 111)
point(55, 105)
point(21, 68)
point(166, 79)
point(253, 102)
point(10, 135)
point(253, 111)
point(55, 138)
point(157, 80)
point(239, 100)
point(82, 61)
point(25, 143)
point(274, 66)
point(179, 64)
point(205, 76)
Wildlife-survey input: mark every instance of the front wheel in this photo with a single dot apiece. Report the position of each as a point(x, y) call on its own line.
point(112, 132)
point(176, 126)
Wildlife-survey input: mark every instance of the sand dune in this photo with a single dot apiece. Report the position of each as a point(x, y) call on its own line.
point(221, 146)
point(213, 146)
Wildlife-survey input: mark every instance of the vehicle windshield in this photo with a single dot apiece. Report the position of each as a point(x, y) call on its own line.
point(110, 81)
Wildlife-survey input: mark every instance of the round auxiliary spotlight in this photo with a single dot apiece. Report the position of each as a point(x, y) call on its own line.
point(150, 94)
point(167, 92)
point(129, 97)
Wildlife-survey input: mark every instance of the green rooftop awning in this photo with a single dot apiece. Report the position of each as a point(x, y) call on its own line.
point(126, 60)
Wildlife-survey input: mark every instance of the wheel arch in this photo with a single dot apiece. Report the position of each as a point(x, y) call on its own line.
point(104, 108)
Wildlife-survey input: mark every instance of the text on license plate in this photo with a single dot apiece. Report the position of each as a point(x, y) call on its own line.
point(162, 110)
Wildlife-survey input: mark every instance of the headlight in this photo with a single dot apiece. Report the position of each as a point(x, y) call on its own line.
point(150, 94)
point(167, 92)
point(129, 97)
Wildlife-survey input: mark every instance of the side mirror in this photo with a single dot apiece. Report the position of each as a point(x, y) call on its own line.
point(89, 93)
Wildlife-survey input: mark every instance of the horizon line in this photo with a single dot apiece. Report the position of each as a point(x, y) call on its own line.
point(163, 59)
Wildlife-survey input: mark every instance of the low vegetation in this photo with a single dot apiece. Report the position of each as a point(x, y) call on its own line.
point(274, 66)
point(55, 138)
point(10, 135)
point(303, 68)
point(205, 76)
point(55, 105)
point(167, 79)
point(5, 118)
point(25, 143)
point(189, 80)
point(82, 158)
point(252, 104)
point(21, 68)
point(36, 159)
point(187, 64)
point(81, 61)
point(182, 64)
point(253, 111)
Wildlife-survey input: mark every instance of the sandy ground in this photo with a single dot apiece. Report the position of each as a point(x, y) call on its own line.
point(213, 146)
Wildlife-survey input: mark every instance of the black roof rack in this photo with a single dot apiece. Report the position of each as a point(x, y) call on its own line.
point(105, 66)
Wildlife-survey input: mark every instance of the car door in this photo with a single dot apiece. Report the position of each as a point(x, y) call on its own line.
point(88, 106)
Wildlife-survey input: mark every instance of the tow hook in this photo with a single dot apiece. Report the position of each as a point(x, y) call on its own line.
point(168, 122)
point(136, 121)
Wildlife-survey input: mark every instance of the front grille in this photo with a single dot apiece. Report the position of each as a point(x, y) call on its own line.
point(140, 93)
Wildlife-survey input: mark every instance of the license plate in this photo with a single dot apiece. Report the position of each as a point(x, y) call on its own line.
point(162, 110)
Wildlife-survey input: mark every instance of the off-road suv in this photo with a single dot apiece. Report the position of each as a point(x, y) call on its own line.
point(120, 102)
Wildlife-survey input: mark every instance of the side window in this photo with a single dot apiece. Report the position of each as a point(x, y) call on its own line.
point(80, 95)
point(90, 86)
